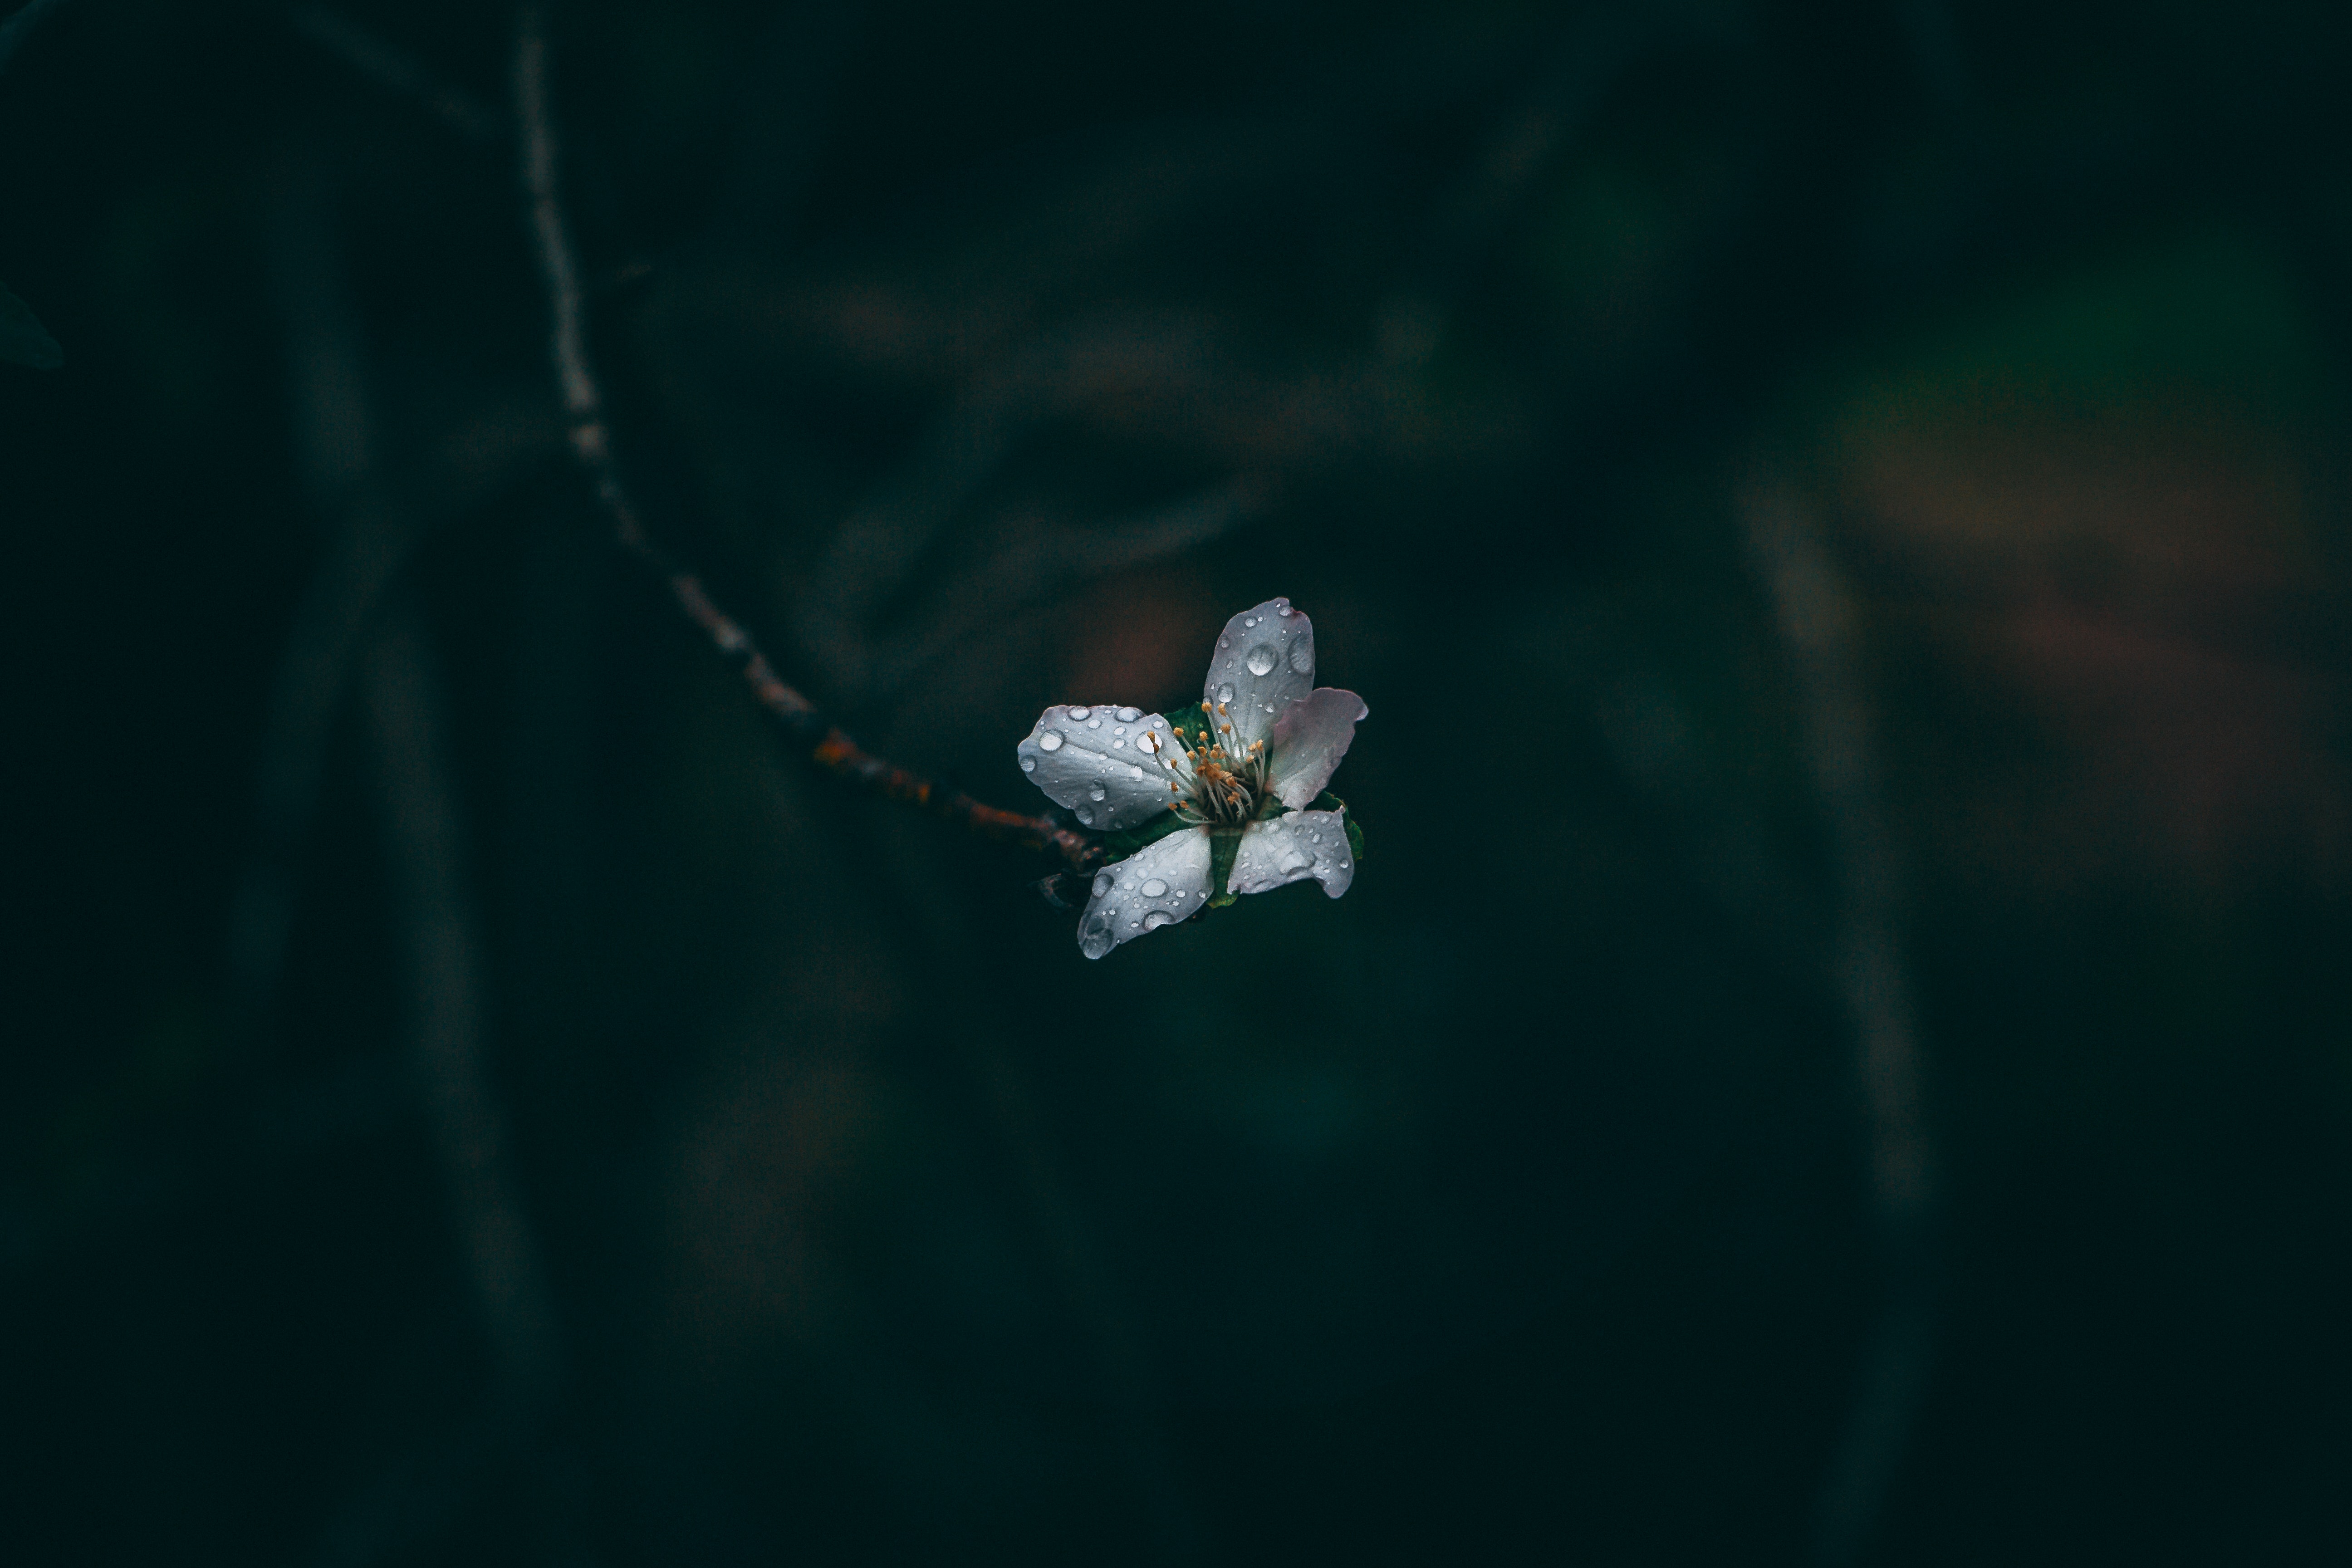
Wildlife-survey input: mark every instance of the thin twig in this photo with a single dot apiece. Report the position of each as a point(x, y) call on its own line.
point(1815, 613)
point(803, 724)
point(399, 72)
point(420, 814)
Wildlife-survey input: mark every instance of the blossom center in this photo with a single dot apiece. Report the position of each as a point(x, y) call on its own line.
point(1224, 784)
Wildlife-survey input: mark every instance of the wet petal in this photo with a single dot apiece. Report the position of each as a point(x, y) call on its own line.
point(1264, 662)
point(1291, 848)
point(1309, 738)
point(1111, 766)
point(1165, 881)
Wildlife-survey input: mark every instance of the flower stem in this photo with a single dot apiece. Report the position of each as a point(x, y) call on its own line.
point(804, 726)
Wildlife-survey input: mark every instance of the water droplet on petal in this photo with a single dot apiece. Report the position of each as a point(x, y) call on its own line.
point(1077, 714)
point(1094, 723)
point(1094, 937)
point(1119, 745)
point(1302, 656)
point(1103, 881)
point(1260, 659)
point(1095, 793)
point(1156, 918)
point(1133, 772)
point(1281, 608)
point(1225, 693)
point(1292, 860)
point(1224, 642)
point(1146, 741)
point(1086, 817)
point(1051, 741)
point(1154, 888)
point(1129, 715)
point(1028, 764)
point(1269, 707)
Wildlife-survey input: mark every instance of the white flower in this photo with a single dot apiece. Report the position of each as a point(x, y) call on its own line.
point(1274, 739)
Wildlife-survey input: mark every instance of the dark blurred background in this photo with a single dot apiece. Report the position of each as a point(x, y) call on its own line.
point(1838, 1053)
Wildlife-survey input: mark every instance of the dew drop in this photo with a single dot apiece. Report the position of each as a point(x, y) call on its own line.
point(1269, 707)
point(1225, 693)
point(1224, 642)
point(1094, 723)
point(1302, 656)
point(1028, 764)
point(1156, 918)
point(1133, 772)
point(1146, 741)
point(1103, 881)
point(1129, 715)
point(1095, 938)
point(1086, 817)
point(1260, 659)
point(1281, 608)
point(1154, 888)
point(1119, 745)
point(1051, 741)
point(1080, 713)
point(1095, 793)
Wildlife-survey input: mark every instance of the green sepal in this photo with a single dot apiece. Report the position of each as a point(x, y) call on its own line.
point(1126, 841)
point(1326, 801)
point(23, 339)
point(1223, 848)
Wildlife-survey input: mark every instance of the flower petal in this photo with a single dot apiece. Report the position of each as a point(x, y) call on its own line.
point(1165, 881)
point(1290, 849)
point(1112, 766)
point(1264, 661)
point(1309, 738)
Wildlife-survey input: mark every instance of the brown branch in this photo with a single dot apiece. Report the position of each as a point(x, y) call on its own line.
point(804, 726)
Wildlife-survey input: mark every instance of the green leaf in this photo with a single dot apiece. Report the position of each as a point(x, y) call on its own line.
point(23, 339)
